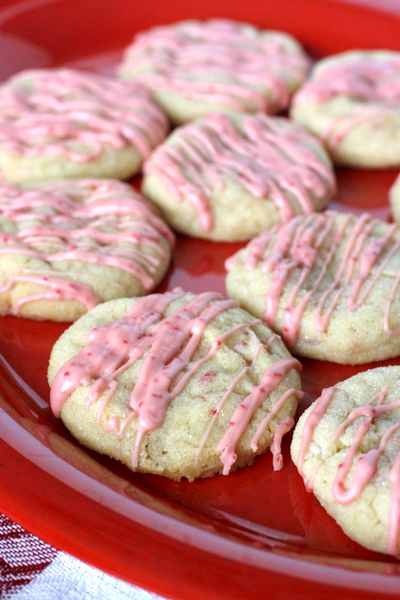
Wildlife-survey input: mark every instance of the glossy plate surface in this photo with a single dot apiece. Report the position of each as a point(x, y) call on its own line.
point(256, 533)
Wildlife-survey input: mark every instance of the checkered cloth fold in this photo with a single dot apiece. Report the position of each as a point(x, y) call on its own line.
point(30, 569)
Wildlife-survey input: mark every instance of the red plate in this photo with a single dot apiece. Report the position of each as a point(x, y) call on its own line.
point(256, 533)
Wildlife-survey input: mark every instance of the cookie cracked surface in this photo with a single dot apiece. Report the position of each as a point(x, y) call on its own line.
point(229, 176)
point(63, 123)
point(67, 246)
point(175, 384)
point(328, 283)
point(196, 67)
point(347, 448)
point(352, 103)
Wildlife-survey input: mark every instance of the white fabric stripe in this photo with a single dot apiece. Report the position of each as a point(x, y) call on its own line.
point(70, 579)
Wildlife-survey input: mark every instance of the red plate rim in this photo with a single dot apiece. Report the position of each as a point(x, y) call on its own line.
point(70, 491)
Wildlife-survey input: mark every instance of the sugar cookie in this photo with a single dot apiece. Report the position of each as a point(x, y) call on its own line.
point(66, 246)
point(328, 283)
point(229, 176)
point(196, 67)
point(347, 448)
point(175, 384)
point(62, 123)
point(352, 102)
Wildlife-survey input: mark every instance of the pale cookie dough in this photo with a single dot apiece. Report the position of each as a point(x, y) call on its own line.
point(67, 246)
point(352, 102)
point(347, 448)
point(229, 176)
point(328, 283)
point(195, 67)
point(62, 123)
point(175, 384)
point(394, 199)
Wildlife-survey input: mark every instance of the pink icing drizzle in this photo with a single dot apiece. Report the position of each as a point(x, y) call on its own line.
point(269, 382)
point(217, 62)
point(168, 345)
point(276, 446)
point(366, 464)
point(295, 247)
point(68, 113)
point(269, 157)
point(93, 221)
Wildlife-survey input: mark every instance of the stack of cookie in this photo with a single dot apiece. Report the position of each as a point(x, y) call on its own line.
point(73, 235)
point(236, 136)
point(180, 385)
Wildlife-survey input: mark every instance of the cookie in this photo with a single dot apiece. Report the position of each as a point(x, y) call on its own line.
point(175, 384)
point(347, 448)
point(196, 67)
point(328, 283)
point(62, 123)
point(66, 246)
point(352, 102)
point(229, 176)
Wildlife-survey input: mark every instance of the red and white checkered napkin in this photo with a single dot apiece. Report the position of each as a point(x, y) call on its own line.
point(30, 569)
